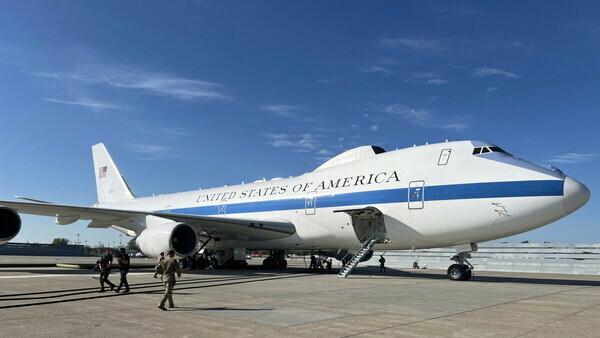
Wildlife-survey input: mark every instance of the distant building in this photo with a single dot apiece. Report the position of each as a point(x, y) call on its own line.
point(27, 249)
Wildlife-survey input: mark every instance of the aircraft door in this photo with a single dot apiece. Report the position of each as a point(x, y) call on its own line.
point(444, 156)
point(368, 223)
point(222, 208)
point(416, 195)
point(310, 204)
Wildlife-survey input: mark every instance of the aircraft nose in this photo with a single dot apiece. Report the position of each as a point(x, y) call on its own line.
point(575, 194)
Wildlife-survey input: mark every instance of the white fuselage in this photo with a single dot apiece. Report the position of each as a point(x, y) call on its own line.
point(430, 196)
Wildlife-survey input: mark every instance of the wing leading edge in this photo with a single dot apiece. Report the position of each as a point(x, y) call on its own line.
point(134, 221)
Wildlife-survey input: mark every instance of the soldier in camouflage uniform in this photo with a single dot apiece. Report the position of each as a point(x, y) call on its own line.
point(168, 268)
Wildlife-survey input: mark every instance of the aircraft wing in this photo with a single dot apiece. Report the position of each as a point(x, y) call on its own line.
point(214, 226)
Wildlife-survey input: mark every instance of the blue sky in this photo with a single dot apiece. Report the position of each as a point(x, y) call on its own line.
point(192, 94)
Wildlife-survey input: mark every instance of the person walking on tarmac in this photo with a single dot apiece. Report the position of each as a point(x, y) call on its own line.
point(168, 268)
point(105, 266)
point(382, 266)
point(160, 259)
point(123, 260)
point(313, 263)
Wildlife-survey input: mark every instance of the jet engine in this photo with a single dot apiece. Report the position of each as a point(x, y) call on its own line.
point(344, 255)
point(168, 236)
point(10, 224)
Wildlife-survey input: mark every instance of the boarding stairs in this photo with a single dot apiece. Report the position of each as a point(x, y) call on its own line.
point(366, 247)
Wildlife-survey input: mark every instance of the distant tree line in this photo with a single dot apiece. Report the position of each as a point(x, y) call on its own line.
point(61, 241)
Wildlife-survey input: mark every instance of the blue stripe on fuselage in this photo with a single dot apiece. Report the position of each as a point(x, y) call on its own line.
point(431, 193)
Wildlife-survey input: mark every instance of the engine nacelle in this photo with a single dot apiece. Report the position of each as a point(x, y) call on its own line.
point(10, 224)
point(343, 255)
point(168, 236)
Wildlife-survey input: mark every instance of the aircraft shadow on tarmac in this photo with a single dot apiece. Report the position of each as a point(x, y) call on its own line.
point(374, 273)
point(222, 308)
point(58, 296)
point(188, 308)
point(48, 271)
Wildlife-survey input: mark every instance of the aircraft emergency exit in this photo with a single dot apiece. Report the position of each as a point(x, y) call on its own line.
point(447, 194)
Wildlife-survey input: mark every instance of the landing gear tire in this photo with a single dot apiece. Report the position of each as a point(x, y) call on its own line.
point(185, 263)
point(271, 263)
point(459, 272)
point(214, 263)
point(468, 273)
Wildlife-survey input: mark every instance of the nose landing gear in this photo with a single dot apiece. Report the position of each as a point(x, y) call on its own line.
point(462, 270)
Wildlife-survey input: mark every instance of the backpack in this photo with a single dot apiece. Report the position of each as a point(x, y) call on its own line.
point(158, 269)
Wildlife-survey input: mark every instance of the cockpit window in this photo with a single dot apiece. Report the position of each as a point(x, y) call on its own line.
point(497, 150)
point(483, 150)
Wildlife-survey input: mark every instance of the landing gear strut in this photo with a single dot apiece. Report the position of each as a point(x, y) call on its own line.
point(462, 270)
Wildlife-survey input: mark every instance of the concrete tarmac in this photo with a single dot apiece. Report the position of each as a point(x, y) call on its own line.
point(50, 301)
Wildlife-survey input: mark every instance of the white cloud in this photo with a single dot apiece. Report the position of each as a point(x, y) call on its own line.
point(424, 75)
point(491, 89)
point(430, 77)
point(458, 126)
point(150, 81)
point(415, 45)
point(427, 118)
point(167, 85)
point(90, 69)
point(431, 99)
point(151, 151)
point(146, 148)
point(300, 143)
point(327, 81)
point(455, 8)
point(86, 102)
point(420, 117)
point(282, 110)
point(573, 158)
point(485, 71)
point(377, 69)
point(436, 81)
point(375, 127)
point(173, 131)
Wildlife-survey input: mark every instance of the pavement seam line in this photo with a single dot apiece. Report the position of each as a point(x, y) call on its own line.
point(563, 318)
point(453, 314)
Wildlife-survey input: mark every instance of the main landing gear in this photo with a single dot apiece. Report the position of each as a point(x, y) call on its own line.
point(276, 260)
point(462, 270)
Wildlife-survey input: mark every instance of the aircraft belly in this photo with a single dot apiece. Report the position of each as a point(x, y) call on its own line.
point(446, 223)
point(323, 230)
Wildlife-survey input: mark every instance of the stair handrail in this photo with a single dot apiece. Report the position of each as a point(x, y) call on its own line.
point(359, 243)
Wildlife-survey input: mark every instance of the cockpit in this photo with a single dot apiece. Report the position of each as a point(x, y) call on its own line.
point(485, 150)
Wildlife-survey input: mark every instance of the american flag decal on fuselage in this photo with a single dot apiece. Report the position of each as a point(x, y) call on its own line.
point(102, 172)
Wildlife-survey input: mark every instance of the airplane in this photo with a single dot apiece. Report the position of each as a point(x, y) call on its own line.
point(436, 195)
